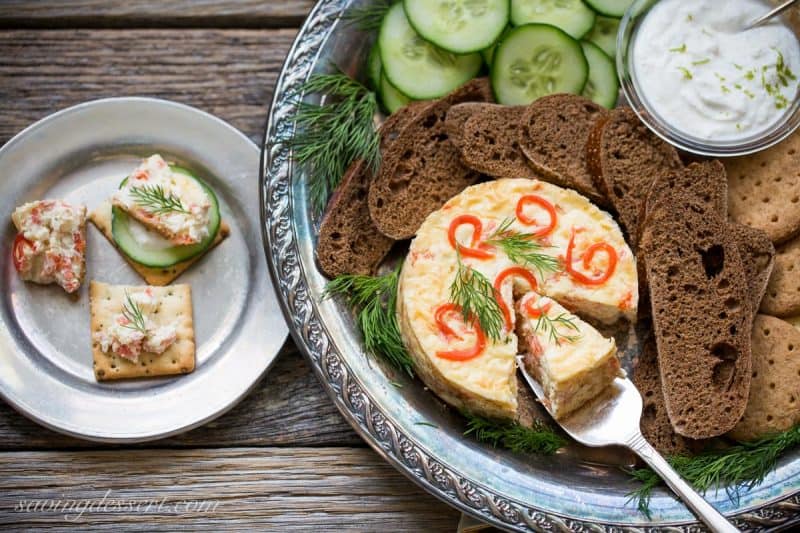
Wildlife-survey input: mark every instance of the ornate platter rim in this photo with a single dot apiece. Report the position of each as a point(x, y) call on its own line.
point(368, 418)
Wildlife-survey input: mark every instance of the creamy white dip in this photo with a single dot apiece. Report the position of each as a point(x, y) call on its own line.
point(707, 78)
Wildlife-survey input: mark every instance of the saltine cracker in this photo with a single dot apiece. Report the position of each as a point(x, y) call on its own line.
point(174, 305)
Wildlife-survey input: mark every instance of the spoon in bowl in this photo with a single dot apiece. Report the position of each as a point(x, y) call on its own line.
point(764, 18)
point(613, 419)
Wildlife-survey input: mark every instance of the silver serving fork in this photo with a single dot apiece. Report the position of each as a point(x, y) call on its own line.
point(613, 419)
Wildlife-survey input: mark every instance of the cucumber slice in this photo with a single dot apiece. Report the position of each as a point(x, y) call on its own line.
point(374, 67)
point(391, 98)
point(604, 35)
point(416, 67)
point(572, 16)
point(488, 53)
point(150, 248)
point(459, 26)
point(603, 85)
point(536, 60)
point(610, 8)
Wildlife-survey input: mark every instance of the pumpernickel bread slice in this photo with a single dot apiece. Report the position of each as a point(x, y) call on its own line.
point(624, 158)
point(349, 242)
point(757, 253)
point(394, 123)
point(655, 424)
point(457, 116)
point(705, 181)
point(422, 169)
point(702, 316)
point(490, 142)
point(553, 138)
point(758, 257)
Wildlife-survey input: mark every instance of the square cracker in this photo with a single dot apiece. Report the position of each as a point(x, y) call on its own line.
point(101, 218)
point(174, 305)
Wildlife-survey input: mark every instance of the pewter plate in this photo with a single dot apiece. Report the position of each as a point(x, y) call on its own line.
point(81, 154)
point(579, 489)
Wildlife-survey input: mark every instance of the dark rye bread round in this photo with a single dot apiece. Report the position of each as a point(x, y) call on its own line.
point(422, 169)
point(757, 253)
point(655, 424)
point(394, 123)
point(490, 142)
point(624, 158)
point(758, 257)
point(701, 315)
point(457, 116)
point(706, 182)
point(349, 243)
point(553, 137)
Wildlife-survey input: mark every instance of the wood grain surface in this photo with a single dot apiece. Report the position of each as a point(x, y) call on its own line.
point(286, 408)
point(229, 73)
point(152, 13)
point(303, 488)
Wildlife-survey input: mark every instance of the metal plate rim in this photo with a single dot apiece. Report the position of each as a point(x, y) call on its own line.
point(229, 399)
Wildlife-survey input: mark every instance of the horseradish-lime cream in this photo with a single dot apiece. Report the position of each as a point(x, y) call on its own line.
point(704, 75)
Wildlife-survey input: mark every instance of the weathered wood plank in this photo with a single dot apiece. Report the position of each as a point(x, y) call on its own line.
point(230, 73)
point(297, 488)
point(153, 13)
point(287, 408)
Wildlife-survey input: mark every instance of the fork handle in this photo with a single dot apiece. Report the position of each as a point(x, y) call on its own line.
point(704, 511)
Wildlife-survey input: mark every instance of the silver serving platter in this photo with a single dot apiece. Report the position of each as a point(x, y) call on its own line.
point(81, 154)
point(577, 489)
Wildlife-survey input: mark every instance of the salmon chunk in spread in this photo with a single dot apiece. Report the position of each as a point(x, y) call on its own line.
point(51, 244)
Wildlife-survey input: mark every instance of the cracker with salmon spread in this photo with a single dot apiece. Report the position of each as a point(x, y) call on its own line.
point(159, 276)
point(166, 199)
point(141, 331)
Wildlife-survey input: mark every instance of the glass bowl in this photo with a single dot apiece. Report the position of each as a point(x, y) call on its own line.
point(762, 140)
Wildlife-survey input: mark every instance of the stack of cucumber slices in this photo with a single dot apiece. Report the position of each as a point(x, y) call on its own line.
point(531, 48)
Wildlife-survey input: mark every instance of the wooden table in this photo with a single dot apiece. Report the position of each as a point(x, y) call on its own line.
point(282, 458)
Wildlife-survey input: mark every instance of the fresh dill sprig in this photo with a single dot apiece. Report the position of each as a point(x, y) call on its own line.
point(540, 438)
point(156, 199)
point(522, 249)
point(550, 327)
point(374, 299)
point(133, 313)
point(368, 17)
point(475, 295)
point(332, 135)
point(741, 466)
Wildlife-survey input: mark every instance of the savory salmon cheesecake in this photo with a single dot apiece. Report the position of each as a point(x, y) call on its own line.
point(569, 358)
point(485, 249)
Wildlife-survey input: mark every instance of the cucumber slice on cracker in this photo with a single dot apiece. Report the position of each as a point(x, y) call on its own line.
point(150, 249)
